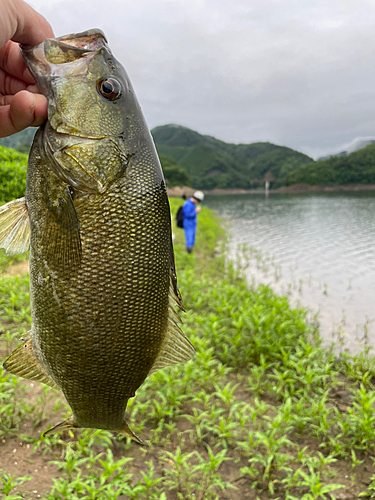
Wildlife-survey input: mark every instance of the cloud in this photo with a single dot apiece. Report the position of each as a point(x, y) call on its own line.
point(294, 72)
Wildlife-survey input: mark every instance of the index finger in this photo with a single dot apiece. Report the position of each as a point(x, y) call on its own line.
point(21, 23)
point(11, 61)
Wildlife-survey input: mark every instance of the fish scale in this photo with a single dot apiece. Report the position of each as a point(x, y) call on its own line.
point(102, 281)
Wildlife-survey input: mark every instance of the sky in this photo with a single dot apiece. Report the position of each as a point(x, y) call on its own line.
point(299, 73)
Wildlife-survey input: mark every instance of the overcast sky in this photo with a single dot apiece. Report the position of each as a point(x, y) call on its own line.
point(299, 73)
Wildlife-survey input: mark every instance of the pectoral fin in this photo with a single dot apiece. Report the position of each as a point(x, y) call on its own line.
point(22, 362)
point(62, 238)
point(14, 227)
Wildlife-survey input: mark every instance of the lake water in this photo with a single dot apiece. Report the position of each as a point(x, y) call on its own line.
point(317, 248)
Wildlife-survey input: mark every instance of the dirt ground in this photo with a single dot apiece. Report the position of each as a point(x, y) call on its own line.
point(17, 458)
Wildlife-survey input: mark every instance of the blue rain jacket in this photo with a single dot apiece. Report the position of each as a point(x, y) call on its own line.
point(189, 215)
point(189, 221)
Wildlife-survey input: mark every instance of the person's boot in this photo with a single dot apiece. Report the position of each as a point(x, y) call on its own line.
point(189, 249)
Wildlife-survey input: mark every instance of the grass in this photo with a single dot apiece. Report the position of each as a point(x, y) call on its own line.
point(261, 412)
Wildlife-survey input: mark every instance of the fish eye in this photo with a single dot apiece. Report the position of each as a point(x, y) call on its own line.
point(109, 88)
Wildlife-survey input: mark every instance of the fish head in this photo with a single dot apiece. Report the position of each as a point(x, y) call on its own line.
point(92, 109)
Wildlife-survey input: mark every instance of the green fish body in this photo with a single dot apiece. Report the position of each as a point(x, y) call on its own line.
point(96, 214)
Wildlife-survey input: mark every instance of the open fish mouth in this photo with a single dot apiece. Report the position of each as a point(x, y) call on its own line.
point(67, 48)
point(90, 40)
point(45, 60)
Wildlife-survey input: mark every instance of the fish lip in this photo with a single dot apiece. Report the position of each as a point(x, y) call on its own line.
point(84, 34)
point(84, 137)
point(48, 59)
point(90, 34)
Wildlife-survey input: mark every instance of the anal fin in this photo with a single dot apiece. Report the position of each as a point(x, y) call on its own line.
point(22, 362)
point(14, 227)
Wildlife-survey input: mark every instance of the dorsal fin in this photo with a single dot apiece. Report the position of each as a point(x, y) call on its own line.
point(176, 348)
point(174, 292)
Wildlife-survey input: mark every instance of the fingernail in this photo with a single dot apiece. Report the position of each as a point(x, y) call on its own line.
point(32, 106)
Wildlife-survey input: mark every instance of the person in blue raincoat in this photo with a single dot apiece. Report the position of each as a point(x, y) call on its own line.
point(190, 211)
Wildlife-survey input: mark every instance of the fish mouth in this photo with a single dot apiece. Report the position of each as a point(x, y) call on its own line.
point(46, 59)
point(87, 41)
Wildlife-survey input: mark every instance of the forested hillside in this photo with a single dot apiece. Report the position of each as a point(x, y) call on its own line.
point(206, 162)
point(174, 174)
point(211, 163)
point(12, 174)
point(190, 158)
point(356, 168)
point(20, 141)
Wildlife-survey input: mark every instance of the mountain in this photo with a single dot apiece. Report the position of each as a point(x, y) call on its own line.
point(211, 163)
point(354, 168)
point(354, 146)
point(208, 162)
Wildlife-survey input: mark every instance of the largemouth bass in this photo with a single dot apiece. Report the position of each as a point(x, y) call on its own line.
point(103, 287)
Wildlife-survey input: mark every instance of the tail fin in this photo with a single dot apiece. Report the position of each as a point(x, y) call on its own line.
point(62, 426)
point(69, 424)
point(125, 431)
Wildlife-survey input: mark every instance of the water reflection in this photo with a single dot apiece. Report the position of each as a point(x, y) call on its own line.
point(324, 247)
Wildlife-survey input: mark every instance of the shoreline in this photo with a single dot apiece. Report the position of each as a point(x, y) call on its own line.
point(321, 188)
point(180, 191)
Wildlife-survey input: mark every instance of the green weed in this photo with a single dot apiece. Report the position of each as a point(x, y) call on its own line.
point(258, 400)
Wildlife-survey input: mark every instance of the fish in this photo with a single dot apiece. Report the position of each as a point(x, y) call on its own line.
point(103, 288)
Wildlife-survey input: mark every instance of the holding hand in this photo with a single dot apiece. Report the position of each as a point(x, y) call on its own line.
point(21, 105)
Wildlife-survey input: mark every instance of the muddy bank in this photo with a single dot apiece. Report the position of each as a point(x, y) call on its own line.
point(180, 191)
point(319, 188)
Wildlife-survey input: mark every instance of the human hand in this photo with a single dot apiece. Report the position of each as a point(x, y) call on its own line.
point(198, 209)
point(21, 105)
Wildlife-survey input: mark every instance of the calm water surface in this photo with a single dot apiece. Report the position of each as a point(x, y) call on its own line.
point(318, 248)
